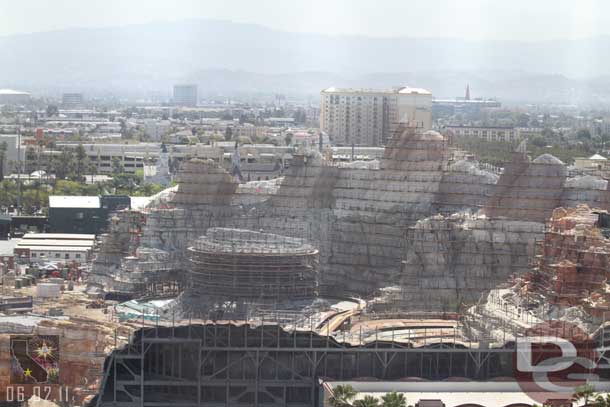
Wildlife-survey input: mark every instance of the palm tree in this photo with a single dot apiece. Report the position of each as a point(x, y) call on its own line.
point(393, 399)
point(342, 396)
point(584, 393)
point(600, 401)
point(3, 148)
point(81, 160)
point(367, 401)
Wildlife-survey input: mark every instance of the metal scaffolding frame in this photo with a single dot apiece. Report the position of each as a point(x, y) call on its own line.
point(239, 264)
point(239, 365)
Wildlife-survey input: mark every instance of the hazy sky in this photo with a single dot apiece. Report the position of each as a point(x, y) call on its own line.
point(470, 19)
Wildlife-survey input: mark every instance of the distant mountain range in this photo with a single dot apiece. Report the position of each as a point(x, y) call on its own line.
point(233, 59)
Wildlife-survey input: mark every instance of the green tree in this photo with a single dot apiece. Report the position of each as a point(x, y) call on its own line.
point(33, 200)
point(3, 149)
point(81, 161)
point(63, 164)
point(244, 140)
point(288, 138)
point(147, 189)
point(117, 167)
point(584, 393)
point(583, 134)
point(123, 130)
point(367, 401)
point(52, 110)
point(92, 169)
point(229, 133)
point(8, 193)
point(31, 160)
point(216, 137)
point(393, 399)
point(66, 187)
point(547, 133)
point(522, 119)
point(601, 401)
point(605, 140)
point(538, 141)
point(342, 396)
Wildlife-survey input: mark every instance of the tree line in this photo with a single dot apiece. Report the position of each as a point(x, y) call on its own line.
point(344, 395)
point(64, 173)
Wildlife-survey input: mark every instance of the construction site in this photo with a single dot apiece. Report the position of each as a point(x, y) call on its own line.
point(245, 264)
point(423, 266)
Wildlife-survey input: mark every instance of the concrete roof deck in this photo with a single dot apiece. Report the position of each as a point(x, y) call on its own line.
point(60, 201)
point(53, 243)
point(59, 236)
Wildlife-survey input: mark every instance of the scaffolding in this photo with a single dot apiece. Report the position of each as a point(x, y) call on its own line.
point(239, 365)
point(572, 259)
point(366, 223)
point(244, 264)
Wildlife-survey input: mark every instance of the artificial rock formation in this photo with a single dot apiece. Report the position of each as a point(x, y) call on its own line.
point(572, 263)
point(366, 222)
point(460, 256)
point(528, 190)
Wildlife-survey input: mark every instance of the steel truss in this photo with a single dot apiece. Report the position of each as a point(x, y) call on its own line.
point(240, 365)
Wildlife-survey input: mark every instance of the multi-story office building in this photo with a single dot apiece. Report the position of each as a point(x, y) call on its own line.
point(72, 100)
point(155, 129)
point(11, 155)
point(462, 105)
point(185, 95)
point(369, 116)
point(14, 97)
point(489, 133)
point(450, 107)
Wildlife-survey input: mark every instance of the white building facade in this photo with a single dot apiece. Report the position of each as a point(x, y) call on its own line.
point(369, 117)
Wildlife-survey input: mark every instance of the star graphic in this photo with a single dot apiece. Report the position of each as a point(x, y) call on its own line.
point(44, 351)
point(27, 372)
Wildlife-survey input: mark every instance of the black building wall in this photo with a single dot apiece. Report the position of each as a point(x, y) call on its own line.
point(77, 220)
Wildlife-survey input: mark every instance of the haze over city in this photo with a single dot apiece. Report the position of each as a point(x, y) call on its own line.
point(338, 203)
point(517, 51)
point(469, 19)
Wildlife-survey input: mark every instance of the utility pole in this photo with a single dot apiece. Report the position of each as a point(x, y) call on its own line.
point(19, 170)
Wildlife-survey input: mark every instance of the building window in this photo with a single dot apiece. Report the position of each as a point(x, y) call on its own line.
point(57, 255)
point(33, 255)
point(77, 255)
point(67, 256)
point(79, 215)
